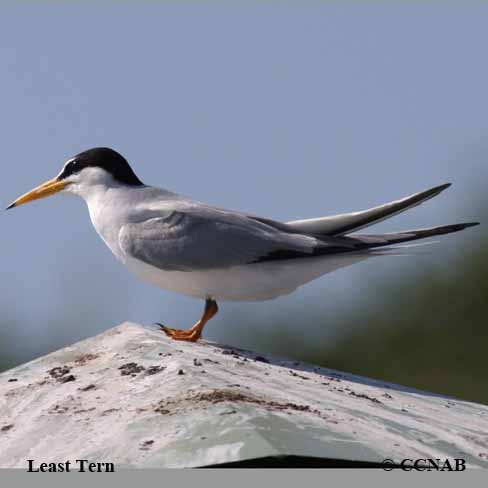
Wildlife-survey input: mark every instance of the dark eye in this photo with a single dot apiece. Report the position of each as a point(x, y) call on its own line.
point(69, 169)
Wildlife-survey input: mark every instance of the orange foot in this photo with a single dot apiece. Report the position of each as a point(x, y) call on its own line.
point(193, 334)
point(190, 335)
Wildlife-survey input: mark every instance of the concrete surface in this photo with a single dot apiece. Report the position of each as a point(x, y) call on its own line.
point(135, 398)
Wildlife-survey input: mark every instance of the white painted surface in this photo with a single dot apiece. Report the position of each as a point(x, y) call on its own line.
point(226, 406)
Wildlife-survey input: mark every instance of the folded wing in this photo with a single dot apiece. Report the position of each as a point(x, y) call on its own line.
point(191, 236)
point(202, 238)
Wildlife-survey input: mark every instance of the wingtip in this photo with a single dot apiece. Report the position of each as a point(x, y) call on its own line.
point(471, 224)
point(433, 192)
point(12, 205)
point(442, 187)
point(464, 225)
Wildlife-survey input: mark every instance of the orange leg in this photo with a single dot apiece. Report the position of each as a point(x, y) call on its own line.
point(195, 332)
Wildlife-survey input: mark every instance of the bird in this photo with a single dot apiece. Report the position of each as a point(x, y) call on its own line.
point(214, 254)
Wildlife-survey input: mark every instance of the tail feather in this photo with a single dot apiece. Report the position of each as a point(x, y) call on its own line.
point(416, 248)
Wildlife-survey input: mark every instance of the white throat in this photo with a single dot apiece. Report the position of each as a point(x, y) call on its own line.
point(109, 202)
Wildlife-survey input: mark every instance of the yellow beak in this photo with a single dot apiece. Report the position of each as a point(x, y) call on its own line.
point(48, 188)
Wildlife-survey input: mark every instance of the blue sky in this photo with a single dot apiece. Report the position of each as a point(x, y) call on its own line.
point(282, 111)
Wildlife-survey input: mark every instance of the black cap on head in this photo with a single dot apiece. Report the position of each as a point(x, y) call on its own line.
point(105, 158)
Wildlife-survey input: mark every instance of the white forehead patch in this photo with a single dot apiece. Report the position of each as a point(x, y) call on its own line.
point(64, 166)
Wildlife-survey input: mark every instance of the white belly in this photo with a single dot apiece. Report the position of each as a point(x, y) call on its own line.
point(252, 282)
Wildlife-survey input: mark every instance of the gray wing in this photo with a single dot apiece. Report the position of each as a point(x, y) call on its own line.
point(337, 225)
point(199, 238)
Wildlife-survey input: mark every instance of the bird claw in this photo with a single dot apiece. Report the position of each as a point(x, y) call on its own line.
point(180, 335)
point(167, 330)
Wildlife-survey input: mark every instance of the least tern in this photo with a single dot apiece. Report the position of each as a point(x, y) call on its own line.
point(215, 254)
